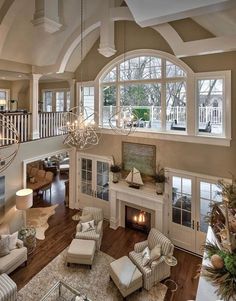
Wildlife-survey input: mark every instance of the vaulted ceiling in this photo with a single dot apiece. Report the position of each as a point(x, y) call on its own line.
point(44, 35)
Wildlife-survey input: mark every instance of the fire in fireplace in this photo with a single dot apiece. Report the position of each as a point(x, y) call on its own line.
point(137, 219)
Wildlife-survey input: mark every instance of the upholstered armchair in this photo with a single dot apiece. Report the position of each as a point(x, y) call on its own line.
point(158, 269)
point(97, 215)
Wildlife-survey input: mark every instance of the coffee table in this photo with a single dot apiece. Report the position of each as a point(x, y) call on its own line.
point(61, 291)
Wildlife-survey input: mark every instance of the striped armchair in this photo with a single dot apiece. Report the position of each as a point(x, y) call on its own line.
point(97, 234)
point(158, 270)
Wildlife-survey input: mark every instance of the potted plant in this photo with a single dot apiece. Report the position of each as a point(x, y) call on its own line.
point(160, 180)
point(115, 169)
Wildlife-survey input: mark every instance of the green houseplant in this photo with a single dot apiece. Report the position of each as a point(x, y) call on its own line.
point(115, 169)
point(160, 180)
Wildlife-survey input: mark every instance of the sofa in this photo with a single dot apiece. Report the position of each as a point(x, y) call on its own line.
point(16, 257)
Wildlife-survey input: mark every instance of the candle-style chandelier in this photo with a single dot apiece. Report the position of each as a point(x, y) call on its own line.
point(9, 142)
point(79, 127)
point(80, 130)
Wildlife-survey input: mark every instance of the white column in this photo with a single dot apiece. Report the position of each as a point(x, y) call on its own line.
point(72, 85)
point(107, 45)
point(34, 98)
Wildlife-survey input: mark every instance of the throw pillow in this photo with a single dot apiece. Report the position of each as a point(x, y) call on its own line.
point(12, 240)
point(4, 246)
point(155, 253)
point(86, 218)
point(4, 229)
point(145, 256)
point(88, 226)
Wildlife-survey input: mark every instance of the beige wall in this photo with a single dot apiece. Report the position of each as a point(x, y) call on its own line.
point(207, 159)
point(14, 173)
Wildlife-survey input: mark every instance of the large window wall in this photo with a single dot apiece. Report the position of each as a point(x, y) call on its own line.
point(167, 97)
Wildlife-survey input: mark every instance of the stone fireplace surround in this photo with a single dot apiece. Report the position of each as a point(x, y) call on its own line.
point(145, 198)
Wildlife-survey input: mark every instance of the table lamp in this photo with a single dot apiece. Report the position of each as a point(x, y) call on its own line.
point(24, 200)
point(3, 104)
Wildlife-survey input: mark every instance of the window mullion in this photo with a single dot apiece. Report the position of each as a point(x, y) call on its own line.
point(163, 95)
point(118, 102)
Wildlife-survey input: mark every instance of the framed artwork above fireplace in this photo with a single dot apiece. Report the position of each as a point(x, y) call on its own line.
point(140, 156)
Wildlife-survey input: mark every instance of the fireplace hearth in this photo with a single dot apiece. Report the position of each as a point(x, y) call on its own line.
point(137, 219)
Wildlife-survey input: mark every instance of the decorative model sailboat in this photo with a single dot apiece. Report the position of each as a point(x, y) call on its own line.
point(134, 178)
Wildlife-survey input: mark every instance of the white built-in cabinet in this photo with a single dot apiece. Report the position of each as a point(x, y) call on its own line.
point(93, 181)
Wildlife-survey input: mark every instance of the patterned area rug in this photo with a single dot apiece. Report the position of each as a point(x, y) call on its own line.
point(94, 283)
point(38, 218)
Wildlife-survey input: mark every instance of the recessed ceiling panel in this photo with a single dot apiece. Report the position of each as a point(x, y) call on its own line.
point(153, 12)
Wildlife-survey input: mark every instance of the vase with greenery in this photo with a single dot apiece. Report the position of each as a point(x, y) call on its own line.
point(115, 169)
point(160, 180)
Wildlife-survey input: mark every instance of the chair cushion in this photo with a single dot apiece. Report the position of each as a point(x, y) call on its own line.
point(155, 253)
point(8, 289)
point(137, 258)
point(4, 246)
point(82, 248)
point(11, 259)
point(85, 218)
point(91, 235)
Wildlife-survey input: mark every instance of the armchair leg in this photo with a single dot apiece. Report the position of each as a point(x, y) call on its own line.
point(26, 263)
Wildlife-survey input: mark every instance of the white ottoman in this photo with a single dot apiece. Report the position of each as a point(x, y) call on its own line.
point(117, 268)
point(81, 251)
point(8, 288)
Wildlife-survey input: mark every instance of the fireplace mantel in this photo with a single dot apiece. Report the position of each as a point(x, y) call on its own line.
point(145, 197)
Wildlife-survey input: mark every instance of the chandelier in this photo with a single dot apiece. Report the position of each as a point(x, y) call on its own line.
point(80, 130)
point(79, 127)
point(9, 142)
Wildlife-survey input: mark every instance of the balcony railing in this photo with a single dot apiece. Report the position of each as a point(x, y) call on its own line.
point(50, 123)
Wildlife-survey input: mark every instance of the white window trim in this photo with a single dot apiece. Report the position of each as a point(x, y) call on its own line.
point(226, 76)
point(191, 135)
point(54, 90)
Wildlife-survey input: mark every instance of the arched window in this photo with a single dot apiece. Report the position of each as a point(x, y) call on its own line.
point(154, 87)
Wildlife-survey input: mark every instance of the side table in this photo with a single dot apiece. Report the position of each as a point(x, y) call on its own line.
point(27, 235)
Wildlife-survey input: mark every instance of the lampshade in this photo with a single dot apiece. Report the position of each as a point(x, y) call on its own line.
point(24, 199)
point(3, 102)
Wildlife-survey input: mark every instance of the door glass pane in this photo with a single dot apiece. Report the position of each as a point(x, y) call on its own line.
point(102, 180)
point(205, 190)
point(187, 186)
point(86, 176)
point(176, 216)
point(186, 218)
point(177, 184)
point(60, 101)
point(181, 201)
point(186, 202)
point(209, 193)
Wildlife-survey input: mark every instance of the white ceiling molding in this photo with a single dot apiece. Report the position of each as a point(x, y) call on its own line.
point(193, 48)
point(46, 15)
point(154, 12)
point(7, 21)
point(107, 35)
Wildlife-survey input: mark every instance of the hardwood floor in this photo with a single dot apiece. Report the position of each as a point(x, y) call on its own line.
point(116, 243)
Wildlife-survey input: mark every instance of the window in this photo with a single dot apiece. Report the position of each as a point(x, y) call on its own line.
point(88, 101)
point(4, 98)
point(166, 97)
point(56, 100)
point(149, 85)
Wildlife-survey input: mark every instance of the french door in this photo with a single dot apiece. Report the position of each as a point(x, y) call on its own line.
point(190, 197)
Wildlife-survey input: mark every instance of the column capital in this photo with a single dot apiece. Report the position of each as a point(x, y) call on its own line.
point(35, 76)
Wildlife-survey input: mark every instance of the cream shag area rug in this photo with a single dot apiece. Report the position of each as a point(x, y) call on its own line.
point(38, 218)
point(94, 283)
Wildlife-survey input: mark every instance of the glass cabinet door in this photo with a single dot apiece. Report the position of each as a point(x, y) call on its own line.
point(86, 176)
point(102, 180)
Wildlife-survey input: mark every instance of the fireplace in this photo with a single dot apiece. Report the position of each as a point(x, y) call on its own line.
point(137, 219)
